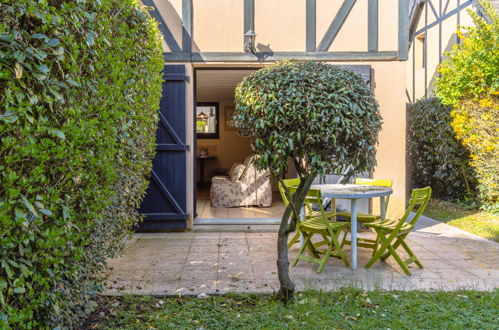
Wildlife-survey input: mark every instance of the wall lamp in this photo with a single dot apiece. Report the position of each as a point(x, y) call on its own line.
point(249, 41)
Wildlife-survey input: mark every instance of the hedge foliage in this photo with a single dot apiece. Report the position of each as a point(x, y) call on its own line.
point(320, 113)
point(80, 85)
point(437, 158)
point(469, 82)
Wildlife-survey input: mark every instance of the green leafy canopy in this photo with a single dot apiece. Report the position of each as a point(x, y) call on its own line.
point(314, 113)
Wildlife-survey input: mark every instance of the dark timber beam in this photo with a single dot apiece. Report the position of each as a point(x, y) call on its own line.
point(163, 27)
point(310, 25)
point(187, 25)
point(446, 6)
point(403, 29)
point(336, 25)
point(249, 15)
point(444, 17)
point(276, 56)
point(433, 9)
point(415, 19)
point(372, 26)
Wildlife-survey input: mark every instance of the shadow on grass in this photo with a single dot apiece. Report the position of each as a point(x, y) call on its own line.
point(474, 221)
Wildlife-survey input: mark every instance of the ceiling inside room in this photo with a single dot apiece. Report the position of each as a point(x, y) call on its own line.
point(214, 85)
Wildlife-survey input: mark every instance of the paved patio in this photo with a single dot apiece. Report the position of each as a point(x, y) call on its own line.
point(215, 263)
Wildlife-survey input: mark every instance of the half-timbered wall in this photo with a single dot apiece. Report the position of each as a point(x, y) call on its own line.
point(433, 32)
point(201, 30)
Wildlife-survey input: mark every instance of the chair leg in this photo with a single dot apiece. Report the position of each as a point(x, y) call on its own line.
point(344, 240)
point(376, 244)
point(310, 246)
point(381, 251)
point(324, 260)
point(411, 254)
point(337, 245)
point(386, 254)
point(399, 260)
point(294, 239)
point(302, 248)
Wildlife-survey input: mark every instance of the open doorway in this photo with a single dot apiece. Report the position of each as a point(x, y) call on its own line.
point(228, 188)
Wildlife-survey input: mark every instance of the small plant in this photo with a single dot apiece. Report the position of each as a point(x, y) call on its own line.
point(321, 117)
point(469, 83)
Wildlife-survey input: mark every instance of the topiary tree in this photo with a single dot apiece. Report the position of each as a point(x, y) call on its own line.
point(320, 116)
point(469, 82)
point(437, 158)
point(80, 83)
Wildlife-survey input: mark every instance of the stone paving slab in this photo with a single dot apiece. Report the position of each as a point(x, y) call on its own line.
point(216, 263)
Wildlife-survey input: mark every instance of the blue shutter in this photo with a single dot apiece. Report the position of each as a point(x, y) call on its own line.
point(164, 205)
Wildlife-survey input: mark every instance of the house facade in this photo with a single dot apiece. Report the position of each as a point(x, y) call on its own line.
point(209, 46)
point(433, 32)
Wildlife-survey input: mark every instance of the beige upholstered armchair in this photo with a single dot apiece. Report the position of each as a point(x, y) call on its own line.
point(244, 186)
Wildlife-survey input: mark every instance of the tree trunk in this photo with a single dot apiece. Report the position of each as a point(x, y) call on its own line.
point(288, 225)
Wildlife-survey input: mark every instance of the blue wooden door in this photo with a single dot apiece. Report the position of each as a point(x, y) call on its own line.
point(164, 205)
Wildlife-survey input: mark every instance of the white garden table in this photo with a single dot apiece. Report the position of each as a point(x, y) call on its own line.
point(353, 192)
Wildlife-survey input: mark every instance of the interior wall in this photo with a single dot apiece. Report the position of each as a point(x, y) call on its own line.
point(230, 148)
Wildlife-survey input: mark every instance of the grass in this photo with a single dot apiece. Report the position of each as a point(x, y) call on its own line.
point(474, 221)
point(345, 309)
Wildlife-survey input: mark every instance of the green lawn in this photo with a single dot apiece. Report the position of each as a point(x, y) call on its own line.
point(474, 221)
point(345, 309)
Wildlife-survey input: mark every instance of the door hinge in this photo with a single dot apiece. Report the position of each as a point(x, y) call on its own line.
point(187, 147)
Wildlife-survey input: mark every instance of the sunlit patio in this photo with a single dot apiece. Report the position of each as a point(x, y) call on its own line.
point(216, 263)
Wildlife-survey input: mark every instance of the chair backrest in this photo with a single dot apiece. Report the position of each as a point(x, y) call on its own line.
point(292, 185)
point(376, 182)
point(314, 196)
point(289, 183)
point(418, 203)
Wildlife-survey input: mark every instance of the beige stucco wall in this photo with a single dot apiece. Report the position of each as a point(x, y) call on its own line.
point(391, 152)
point(218, 25)
point(417, 85)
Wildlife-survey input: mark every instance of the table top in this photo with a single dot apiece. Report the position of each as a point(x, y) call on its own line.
point(206, 156)
point(352, 191)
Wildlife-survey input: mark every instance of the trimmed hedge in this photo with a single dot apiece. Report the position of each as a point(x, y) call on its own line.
point(437, 158)
point(469, 82)
point(80, 85)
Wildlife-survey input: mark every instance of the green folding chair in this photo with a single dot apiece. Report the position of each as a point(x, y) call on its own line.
point(390, 234)
point(363, 218)
point(308, 205)
point(320, 225)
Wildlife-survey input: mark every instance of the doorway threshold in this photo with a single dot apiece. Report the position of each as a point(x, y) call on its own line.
point(248, 225)
point(237, 221)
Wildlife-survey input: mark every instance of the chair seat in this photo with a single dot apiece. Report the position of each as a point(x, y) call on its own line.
point(315, 214)
point(361, 217)
point(389, 225)
point(317, 224)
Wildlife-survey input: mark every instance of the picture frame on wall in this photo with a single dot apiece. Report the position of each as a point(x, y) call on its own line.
point(229, 111)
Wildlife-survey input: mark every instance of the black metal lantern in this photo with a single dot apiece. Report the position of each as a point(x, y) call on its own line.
point(249, 41)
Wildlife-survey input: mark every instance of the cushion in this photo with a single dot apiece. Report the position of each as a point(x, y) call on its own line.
point(232, 168)
point(249, 174)
point(236, 172)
